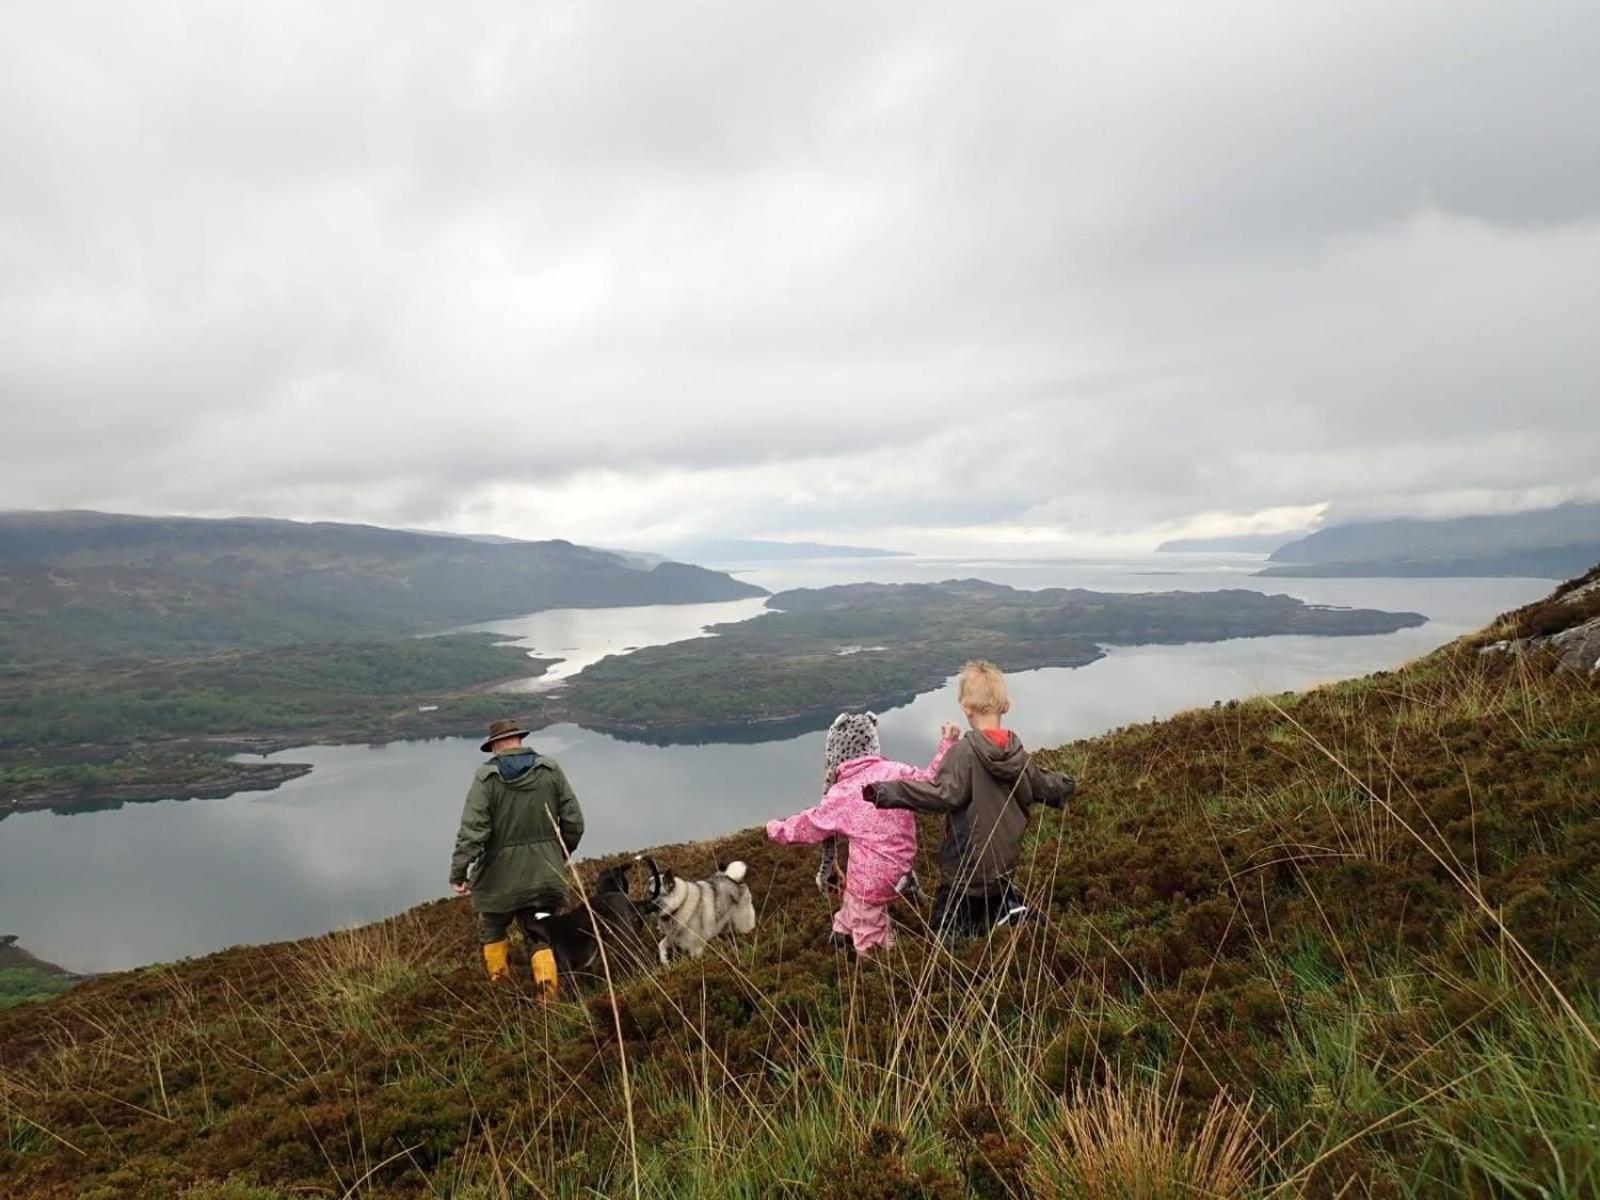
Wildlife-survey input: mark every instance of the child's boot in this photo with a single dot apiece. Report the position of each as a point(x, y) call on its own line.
point(494, 957)
point(544, 973)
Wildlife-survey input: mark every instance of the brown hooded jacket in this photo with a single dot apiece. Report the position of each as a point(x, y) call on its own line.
point(985, 793)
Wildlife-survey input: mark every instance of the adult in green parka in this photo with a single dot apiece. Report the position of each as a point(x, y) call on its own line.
point(520, 822)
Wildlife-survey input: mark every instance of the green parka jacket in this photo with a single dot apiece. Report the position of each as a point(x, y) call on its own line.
point(517, 801)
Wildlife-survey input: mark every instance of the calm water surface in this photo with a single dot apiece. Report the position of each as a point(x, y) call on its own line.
point(581, 637)
point(368, 832)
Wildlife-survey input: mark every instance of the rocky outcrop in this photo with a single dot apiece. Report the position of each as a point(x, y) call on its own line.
point(1576, 646)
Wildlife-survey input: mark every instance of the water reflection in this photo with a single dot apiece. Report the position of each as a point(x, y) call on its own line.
point(580, 637)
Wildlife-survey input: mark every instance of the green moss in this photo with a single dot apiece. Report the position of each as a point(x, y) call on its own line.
point(23, 985)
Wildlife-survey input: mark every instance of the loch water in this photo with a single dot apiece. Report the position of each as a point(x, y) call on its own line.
point(368, 831)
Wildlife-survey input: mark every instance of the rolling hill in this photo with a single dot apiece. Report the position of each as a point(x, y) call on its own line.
point(77, 586)
point(1550, 543)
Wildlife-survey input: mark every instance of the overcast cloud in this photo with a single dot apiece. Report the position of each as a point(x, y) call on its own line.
point(1068, 275)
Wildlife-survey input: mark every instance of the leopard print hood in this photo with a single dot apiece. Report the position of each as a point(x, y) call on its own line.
point(852, 735)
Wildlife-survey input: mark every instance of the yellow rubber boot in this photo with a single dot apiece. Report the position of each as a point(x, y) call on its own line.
point(544, 973)
point(494, 957)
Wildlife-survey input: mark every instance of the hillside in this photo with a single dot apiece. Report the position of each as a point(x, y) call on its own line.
point(93, 736)
point(25, 979)
point(1552, 543)
point(1337, 944)
point(78, 586)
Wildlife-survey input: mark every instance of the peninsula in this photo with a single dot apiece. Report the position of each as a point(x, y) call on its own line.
point(874, 645)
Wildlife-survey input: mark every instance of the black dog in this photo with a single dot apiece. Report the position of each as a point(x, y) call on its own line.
point(619, 919)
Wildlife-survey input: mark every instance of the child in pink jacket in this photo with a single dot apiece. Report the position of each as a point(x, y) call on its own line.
point(883, 842)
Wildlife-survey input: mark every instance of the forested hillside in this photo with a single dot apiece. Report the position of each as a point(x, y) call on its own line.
point(79, 585)
point(876, 645)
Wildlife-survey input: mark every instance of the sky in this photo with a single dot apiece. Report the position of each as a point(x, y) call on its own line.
point(1033, 277)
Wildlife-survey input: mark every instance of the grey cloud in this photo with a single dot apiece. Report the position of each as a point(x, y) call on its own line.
point(806, 268)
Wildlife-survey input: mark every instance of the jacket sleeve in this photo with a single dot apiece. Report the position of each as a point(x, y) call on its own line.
point(1050, 788)
point(947, 791)
point(569, 815)
point(473, 835)
point(930, 772)
point(803, 829)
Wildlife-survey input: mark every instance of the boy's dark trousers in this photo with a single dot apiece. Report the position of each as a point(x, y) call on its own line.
point(958, 913)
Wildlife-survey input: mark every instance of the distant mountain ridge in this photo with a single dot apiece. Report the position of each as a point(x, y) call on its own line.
point(75, 585)
point(1547, 543)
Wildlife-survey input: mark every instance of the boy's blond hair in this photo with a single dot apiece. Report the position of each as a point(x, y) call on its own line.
point(982, 689)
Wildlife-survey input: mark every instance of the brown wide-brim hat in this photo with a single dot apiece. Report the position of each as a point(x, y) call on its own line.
point(503, 728)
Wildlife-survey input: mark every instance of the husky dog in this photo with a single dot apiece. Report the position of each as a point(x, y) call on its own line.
point(692, 913)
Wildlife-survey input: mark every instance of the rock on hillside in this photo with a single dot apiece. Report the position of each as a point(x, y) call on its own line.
point(1566, 625)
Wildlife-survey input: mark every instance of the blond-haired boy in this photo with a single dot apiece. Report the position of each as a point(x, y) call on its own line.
point(984, 787)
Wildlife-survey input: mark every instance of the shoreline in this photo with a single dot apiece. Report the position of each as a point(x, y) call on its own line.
point(243, 777)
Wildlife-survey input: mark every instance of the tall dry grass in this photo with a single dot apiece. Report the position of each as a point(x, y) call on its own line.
point(1122, 1142)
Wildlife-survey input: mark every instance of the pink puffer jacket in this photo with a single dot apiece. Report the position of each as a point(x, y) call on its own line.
point(883, 841)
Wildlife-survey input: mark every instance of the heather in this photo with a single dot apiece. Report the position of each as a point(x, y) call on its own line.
point(1336, 944)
